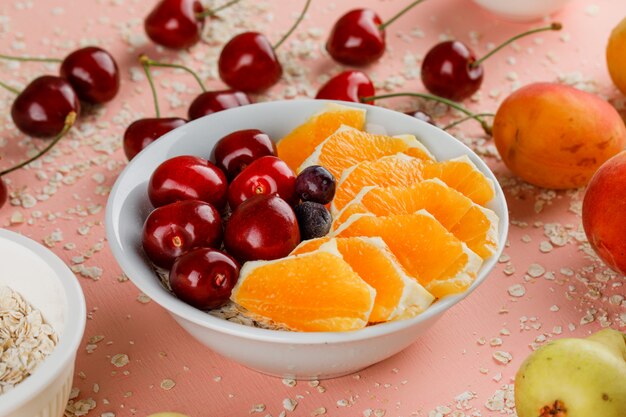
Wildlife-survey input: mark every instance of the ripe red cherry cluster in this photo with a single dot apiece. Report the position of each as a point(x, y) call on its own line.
point(186, 232)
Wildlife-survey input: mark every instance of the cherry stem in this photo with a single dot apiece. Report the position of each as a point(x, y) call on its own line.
point(213, 12)
point(383, 25)
point(152, 63)
point(466, 118)
point(450, 103)
point(9, 88)
point(29, 59)
point(553, 26)
point(69, 122)
point(295, 25)
point(146, 67)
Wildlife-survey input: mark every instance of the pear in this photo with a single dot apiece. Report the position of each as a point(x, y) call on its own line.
point(574, 378)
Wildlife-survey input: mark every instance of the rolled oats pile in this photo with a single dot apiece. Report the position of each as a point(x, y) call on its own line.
point(25, 339)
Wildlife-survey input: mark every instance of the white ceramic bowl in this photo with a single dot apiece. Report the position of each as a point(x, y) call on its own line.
point(522, 10)
point(286, 354)
point(49, 286)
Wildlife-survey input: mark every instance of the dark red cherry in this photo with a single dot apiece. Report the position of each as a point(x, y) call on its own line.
point(93, 73)
point(42, 107)
point(187, 177)
point(420, 115)
point(356, 38)
point(234, 152)
point(213, 101)
point(248, 63)
point(177, 228)
point(447, 71)
point(143, 132)
point(347, 86)
point(4, 193)
point(175, 24)
point(263, 227)
point(266, 175)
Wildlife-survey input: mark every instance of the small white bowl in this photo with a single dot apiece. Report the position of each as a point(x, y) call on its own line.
point(46, 283)
point(522, 10)
point(286, 354)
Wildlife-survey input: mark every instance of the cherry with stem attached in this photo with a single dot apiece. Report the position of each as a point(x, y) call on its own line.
point(347, 86)
point(450, 69)
point(248, 62)
point(358, 37)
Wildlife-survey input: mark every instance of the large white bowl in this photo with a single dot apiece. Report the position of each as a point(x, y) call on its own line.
point(522, 10)
point(286, 354)
point(49, 286)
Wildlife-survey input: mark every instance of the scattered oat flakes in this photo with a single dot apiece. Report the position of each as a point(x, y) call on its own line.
point(517, 290)
point(289, 404)
point(502, 357)
point(167, 384)
point(289, 382)
point(318, 411)
point(120, 360)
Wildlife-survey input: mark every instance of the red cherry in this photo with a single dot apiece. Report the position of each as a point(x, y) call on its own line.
point(263, 227)
point(347, 86)
point(187, 178)
point(4, 193)
point(143, 132)
point(93, 73)
point(266, 175)
point(356, 38)
point(213, 101)
point(234, 152)
point(175, 24)
point(41, 109)
point(204, 278)
point(174, 229)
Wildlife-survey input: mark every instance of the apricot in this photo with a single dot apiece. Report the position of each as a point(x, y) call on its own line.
point(616, 55)
point(604, 212)
point(556, 136)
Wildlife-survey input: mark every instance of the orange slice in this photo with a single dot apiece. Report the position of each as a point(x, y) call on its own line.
point(469, 222)
point(435, 257)
point(301, 142)
point(315, 291)
point(398, 295)
point(349, 146)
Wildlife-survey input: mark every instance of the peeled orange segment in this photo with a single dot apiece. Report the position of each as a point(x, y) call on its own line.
point(423, 246)
point(310, 245)
point(349, 146)
point(469, 222)
point(315, 291)
point(301, 142)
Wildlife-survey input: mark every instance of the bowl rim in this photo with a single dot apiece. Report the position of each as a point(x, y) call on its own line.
point(73, 331)
point(182, 310)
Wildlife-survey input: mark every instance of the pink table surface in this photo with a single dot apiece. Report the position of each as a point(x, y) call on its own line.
point(60, 200)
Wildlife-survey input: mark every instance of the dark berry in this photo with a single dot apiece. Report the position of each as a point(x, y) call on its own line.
point(314, 220)
point(317, 184)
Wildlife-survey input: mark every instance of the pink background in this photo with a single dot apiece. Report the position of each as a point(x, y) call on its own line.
point(60, 200)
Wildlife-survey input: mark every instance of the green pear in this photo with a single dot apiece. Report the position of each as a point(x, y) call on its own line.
point(574, 378)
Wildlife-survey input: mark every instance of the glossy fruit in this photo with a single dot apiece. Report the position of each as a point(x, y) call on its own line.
point(204, 278)
point(187, 177)
point(248, 63)
point(235, 151)
point(267, 175)
point(356, 38)
point(615, 57)
point(420, 115)
point(347, 86)
point(262, 227)
point(315, 183)
point(314, 220)
point(447, 71)
point(42, 107)
point(211, 102)
point(175, 24)
point(4, 193)
point(143, 132)
point(177, 228)
point(93, 73)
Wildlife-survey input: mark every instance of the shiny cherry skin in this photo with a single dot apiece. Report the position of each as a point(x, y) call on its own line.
point(174, 24)
point(204, 278)
point(356, 38)
point(267, 175)
point(4, 193)
point(262, 227)
point(248, 63)
point(235, 151)
point(420, 115)
point(447, 71)
point(177, 228)
point(316, 183)
point(347, 86)
point(41, 108)
point(187, 177)
point(143, 132)
point(93, 73)
point(213, 101)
